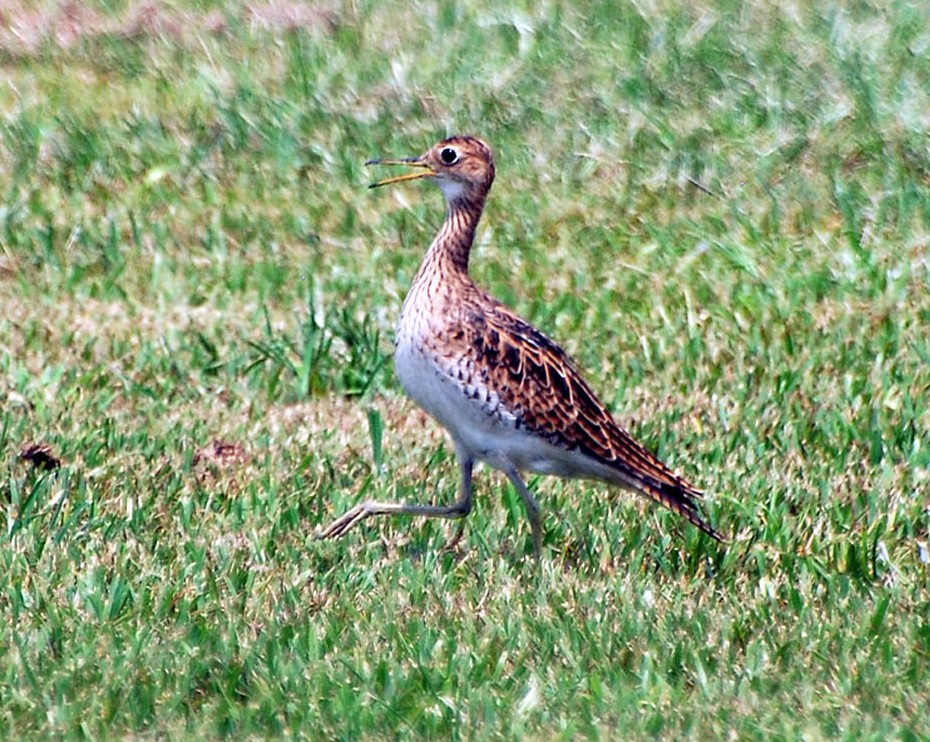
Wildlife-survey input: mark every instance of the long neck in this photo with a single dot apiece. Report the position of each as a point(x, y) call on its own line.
point(448, 255)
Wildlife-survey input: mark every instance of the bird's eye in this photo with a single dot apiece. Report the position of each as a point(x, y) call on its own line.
point(449, 156)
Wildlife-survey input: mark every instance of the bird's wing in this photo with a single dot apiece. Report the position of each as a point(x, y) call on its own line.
point(538, 383)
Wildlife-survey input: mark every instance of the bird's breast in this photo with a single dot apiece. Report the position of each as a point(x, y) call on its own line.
point(448, 380)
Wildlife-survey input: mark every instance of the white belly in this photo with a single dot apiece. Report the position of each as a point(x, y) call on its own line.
point(476, 417)
point(472, 414)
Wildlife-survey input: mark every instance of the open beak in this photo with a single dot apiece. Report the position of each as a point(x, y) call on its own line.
point(425, 172)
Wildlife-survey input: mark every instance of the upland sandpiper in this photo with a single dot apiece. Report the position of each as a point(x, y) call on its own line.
point(506, 393)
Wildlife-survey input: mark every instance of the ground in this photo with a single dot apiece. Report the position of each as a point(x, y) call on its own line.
point(721, 210)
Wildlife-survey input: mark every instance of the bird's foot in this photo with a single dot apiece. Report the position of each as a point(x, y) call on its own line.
point(345, 522)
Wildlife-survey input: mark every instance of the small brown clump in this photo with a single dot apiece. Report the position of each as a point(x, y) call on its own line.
point(40, 455)
point(221, 454)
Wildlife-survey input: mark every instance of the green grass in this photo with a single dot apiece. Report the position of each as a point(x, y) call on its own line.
point(722, 210)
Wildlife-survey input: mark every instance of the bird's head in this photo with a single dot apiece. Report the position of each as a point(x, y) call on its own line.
point(462, 166)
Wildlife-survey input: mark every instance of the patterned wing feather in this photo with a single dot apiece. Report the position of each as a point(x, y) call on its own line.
point(543, 388)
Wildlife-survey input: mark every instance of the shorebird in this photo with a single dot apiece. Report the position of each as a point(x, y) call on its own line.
point(507, 394)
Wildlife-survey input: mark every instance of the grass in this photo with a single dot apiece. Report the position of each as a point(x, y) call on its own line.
point(722, 210)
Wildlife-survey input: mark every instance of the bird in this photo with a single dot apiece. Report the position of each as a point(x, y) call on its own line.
point(507, 395)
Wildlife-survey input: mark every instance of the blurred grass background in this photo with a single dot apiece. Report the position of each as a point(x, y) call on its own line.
point(721, 210)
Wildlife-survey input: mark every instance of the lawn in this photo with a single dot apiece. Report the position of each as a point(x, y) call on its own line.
point(721, 211)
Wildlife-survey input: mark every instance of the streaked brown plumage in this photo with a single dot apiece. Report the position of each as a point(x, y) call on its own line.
point(507, 394)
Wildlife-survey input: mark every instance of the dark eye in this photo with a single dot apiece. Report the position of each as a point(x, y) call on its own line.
point(449, 156)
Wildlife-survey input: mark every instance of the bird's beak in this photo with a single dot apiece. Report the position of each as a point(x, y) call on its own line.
point(426, 172)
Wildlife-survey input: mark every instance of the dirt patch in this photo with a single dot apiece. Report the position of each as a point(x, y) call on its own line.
point(290, 15)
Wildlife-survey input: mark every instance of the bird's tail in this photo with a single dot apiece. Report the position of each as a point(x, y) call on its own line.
point(682, 498)
point(674, 493)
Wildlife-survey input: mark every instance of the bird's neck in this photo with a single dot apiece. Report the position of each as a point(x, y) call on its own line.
point(449, 253)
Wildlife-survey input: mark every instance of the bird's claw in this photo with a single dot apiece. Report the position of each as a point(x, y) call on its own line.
point(344, 523)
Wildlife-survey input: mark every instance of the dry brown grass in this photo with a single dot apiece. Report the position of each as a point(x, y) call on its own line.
point(26, 27)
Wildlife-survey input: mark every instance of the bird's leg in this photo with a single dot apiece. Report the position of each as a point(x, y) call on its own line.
point(532, 507)
point(459, 509)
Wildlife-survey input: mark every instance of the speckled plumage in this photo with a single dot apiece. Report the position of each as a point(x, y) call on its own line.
point(507, 394)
